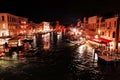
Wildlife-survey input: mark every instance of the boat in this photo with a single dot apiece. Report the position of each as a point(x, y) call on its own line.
point(107, 59)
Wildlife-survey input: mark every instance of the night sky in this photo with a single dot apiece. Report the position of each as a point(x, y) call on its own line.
point(65, 11)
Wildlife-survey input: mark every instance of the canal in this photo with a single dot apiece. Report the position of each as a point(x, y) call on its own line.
point(56, 60)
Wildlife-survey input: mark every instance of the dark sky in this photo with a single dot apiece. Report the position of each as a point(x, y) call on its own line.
point(66, 11)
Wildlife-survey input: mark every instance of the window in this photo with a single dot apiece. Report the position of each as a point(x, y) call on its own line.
point(106, 24)
point(102, 33)
point(103, 24)
point(3, 26)
point(23, 22)
point(8, 18)
point(109, 34)
point(110, 24)
point(113, 35)
point(3, 18)
point(115, 23)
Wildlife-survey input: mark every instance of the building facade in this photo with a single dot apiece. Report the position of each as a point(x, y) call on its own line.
point(10, 24)
point(107, 28)
point(43, 27)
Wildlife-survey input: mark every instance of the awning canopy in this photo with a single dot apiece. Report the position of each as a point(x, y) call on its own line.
point(105, 40)
point(100, 40)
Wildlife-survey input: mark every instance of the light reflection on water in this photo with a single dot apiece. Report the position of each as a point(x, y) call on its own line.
point(83, 61)
point(86, 53)
point(13, 61)
point(46, 41)
point(6, 62)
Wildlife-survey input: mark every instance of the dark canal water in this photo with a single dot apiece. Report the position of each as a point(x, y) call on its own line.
point(56, 60)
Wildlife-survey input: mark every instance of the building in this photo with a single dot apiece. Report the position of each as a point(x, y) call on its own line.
point(10, 24)
point(43, 27)
point(23, 26)
point(107, 28)
point(91, 25)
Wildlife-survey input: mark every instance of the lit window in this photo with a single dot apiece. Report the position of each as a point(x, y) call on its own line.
point(3, 26)
point(23, 22)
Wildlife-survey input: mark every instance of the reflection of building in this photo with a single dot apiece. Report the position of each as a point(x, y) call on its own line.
point(10, 24)
point(46, 41)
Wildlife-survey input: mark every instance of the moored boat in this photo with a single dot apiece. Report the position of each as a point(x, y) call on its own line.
point(107, 59)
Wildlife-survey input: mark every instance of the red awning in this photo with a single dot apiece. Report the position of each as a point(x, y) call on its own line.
point(100, 40)
point(105, 40)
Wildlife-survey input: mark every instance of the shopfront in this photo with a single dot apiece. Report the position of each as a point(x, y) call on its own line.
point(101, 42)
